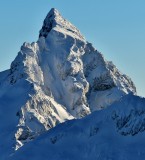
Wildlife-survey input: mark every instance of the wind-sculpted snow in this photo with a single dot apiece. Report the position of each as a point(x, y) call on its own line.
point(97, 136)
point(58, 78)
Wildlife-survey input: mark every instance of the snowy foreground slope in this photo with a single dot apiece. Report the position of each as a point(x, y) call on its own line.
point(58, 78)
point(115, 133)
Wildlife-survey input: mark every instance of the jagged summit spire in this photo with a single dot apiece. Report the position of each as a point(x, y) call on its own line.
point(53, 12)
point(49, 22)
point(55, 20)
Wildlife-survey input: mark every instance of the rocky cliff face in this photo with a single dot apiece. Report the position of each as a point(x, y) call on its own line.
point(60, 77)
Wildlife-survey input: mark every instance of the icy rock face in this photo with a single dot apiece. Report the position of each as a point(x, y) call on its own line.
point(83, 74)
point(60, 77)
point(107, 83)
point(35, 108)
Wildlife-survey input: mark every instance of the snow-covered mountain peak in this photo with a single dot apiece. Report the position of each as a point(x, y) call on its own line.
point(54, 21)
point(57, 78)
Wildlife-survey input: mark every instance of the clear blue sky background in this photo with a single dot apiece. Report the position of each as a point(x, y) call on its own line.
point(115, 27)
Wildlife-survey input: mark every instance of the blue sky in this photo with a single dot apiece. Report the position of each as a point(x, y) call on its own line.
point(115, 27)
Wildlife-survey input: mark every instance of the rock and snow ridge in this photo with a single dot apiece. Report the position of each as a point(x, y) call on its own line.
point(115, 133)
point(58, 78)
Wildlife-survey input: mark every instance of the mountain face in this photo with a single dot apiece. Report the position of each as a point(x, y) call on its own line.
point(58, 78)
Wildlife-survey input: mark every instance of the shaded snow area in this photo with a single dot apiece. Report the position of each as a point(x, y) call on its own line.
point(115, 133)
point(59, 78)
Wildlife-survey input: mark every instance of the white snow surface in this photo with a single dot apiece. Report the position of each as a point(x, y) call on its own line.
point(58, 78)
point(115, 133)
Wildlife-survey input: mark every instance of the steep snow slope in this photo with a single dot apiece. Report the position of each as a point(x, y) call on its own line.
point(115, 133)
point(60, 77)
